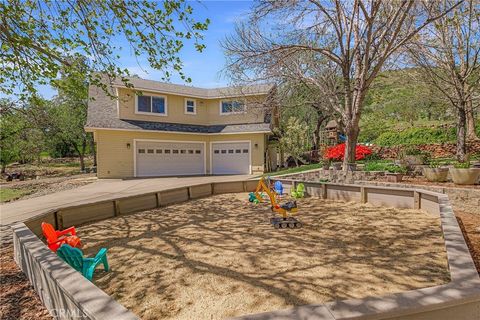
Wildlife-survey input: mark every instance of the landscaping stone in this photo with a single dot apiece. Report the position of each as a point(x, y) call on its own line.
point(436, 150)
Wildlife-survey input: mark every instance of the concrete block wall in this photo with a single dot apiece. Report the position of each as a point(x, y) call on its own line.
point(61, 288)
point(64, 291)
point(463, 199)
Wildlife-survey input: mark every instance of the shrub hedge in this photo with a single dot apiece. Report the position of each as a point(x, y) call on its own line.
point(414, 136)
point(418, 135)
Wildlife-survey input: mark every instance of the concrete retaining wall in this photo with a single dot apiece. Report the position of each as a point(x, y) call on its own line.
point(61, 288)
point(464, 199)
point(64, 291)
point(459, 299)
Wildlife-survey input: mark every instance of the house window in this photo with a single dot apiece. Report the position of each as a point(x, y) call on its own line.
point(227, 107)
point(141, 150)
point(183, 151)
point(175, 151)
point(230, 151)
point(190, 151)
point(198, 152)
point(150, 151)
point(216, 151)
point(152, 104)
point(167, 150)
point(238, 151)
point(245, 150)
point(190, 106)
point(159, 150)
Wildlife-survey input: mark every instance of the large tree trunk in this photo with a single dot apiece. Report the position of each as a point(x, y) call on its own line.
point(81, 153)
point(351, 133)
point(471, 134)
point(461, 134)
point(352, 128)
point(316, 136)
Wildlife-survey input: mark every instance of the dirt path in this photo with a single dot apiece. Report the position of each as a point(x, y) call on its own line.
point(218, 257)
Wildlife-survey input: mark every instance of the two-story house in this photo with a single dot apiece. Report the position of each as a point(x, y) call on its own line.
point(163, 129)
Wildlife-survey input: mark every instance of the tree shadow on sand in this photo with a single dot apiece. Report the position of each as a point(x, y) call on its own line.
point(218, 257)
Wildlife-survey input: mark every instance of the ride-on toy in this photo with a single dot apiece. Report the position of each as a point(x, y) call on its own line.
point(285, 210)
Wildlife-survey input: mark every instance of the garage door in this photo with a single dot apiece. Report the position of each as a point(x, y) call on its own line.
point(231, 158)
point(169, 158)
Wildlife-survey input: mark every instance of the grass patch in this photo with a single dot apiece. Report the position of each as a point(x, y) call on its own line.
point(9, 194)
point(376, 166)
point(295, 170)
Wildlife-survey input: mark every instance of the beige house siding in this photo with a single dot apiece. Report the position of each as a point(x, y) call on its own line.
point(208, 110)
point(116, 160)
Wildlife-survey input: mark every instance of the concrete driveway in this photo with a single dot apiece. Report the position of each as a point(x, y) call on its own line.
point(101, 190)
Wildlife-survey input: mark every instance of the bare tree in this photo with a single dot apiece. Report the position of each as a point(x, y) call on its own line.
point(356, 36)
point(448, 51)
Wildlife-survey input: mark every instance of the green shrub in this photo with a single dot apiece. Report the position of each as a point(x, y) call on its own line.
point(396, 169)
point(372, 157)
point(375, 166)
point(413, 136)
point(462, 165)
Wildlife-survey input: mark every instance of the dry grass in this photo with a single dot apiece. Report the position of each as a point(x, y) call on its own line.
point(218, 257)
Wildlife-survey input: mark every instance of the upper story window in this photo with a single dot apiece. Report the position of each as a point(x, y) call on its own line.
point(155, 105)
point(190, 106)
point(231, 106)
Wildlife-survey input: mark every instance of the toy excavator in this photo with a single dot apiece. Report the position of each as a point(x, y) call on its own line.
point(286, 210)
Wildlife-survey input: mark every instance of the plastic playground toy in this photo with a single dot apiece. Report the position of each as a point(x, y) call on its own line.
point(86, 266)
point(278, 187)
point(56, 238)
point(299, 192)
point(285, 210)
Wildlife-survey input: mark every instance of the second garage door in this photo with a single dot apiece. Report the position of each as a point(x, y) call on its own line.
point(231, 158)
point(169, 158)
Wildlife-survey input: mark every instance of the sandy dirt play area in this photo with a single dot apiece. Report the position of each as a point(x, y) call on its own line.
point(219, 257)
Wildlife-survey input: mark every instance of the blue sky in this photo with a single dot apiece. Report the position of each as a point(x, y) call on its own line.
point(203, 68)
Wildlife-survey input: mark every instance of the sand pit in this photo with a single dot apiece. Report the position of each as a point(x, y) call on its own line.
point(219, 257)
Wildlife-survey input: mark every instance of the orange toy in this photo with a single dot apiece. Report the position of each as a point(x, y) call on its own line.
point(56, 238)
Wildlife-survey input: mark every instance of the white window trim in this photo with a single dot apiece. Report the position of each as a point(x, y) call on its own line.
point(194, 106)
point(230, 113)
point(152, 113)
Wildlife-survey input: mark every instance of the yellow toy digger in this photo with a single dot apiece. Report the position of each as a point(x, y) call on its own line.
point(286, 210)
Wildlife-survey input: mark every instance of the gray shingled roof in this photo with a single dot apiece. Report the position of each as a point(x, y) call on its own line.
point(195, 92)
point(102, 113)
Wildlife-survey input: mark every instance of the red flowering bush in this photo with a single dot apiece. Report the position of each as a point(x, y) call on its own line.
point(338, 152)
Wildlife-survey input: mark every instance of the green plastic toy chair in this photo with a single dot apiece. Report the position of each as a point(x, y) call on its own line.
point(299, 192)
point(74, 257)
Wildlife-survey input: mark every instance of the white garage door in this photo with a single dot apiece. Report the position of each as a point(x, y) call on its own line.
point(231, 158)
point(169, 158)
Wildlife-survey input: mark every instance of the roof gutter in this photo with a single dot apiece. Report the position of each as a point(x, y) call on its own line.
point(191, 95)
point(92, 129)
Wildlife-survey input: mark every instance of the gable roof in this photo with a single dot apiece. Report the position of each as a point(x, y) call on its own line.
point(102, 114)
point(195, 92)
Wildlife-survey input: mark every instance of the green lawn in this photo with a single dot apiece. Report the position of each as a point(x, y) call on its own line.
point(8, 194)
point(295, 170)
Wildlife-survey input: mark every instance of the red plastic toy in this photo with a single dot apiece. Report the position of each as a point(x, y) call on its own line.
point(56, 238)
